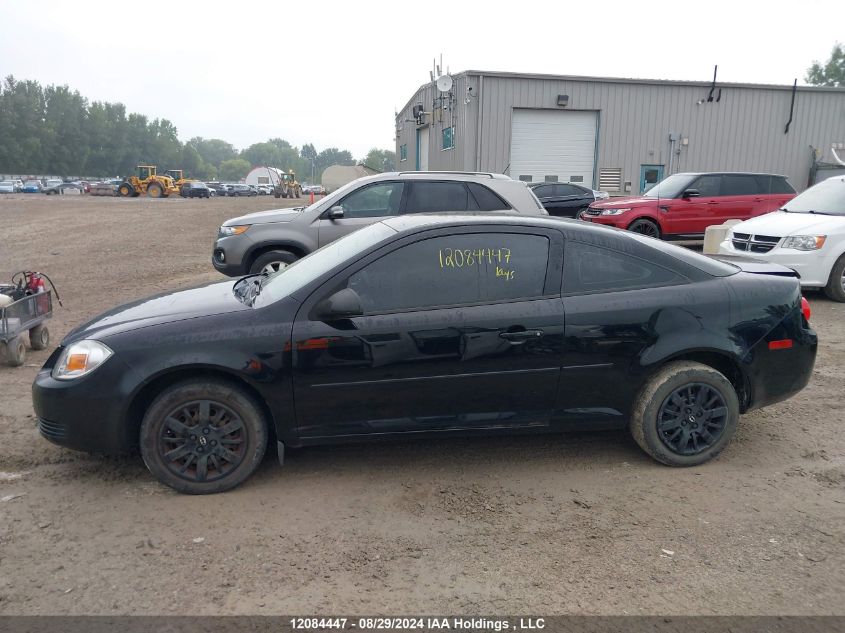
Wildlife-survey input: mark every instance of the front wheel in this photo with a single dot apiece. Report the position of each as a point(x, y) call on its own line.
point(645, 227)
point(39, 337)
point(685, 414)
point(202, 437)
point(272, 262)
point(835, 288)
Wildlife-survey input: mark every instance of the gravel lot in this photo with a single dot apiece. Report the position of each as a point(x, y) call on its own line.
point(562, 524)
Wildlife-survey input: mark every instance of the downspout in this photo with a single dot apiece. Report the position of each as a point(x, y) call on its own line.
point(479, 121)
point(791, 107)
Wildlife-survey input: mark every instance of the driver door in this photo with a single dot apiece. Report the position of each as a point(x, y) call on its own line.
point(362, 207)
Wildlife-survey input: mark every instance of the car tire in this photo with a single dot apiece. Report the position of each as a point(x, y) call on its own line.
point(645, 227)
point(39, 337)
point(185, 444)
point(272, 259)
point(678, 403)
point(13, 352)
point(835, 288)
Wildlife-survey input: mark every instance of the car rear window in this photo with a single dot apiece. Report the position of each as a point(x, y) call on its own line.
point(426, 197)
point(740, 185)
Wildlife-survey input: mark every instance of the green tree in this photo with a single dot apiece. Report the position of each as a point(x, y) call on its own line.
point(380, 159)
point(832, 73)
point(213, 150)
point(332, 156)
point(234, 169)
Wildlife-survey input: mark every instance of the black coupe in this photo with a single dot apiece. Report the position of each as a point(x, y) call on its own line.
point(434, 324)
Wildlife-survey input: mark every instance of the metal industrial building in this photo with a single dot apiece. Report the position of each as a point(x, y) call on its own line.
point(617, 135)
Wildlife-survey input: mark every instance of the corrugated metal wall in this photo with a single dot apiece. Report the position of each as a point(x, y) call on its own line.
point(742, 132)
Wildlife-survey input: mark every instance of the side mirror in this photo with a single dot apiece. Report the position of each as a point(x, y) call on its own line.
point(343, 304)
point(336, 212)
point(691, 193)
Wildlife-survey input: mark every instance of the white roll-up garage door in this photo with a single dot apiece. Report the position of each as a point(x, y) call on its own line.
point(553, 143)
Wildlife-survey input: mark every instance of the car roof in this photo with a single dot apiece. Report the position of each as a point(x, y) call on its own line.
point(476, 176)
point(728, 173)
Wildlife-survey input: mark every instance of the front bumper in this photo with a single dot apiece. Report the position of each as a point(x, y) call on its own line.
point(228, 254)
point(87, 414)
point(618, 221)
point(813, 267)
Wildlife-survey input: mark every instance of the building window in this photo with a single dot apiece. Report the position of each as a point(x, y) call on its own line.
point(524, 178)
point(610, 179)
point(403, 152)
point(448, 138)
point(576, 179)
point(550, 179)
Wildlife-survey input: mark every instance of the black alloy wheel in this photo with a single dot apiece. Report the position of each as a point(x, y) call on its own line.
point(202, 441)
point(645, 227)
point(692, 419)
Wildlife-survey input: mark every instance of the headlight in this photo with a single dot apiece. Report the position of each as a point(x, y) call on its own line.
point(226, 231)
point(79, 359)
point(614, 211)
point(804, 242)
point(601, 195)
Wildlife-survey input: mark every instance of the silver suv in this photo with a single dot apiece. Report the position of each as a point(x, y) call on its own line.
point(268, 241)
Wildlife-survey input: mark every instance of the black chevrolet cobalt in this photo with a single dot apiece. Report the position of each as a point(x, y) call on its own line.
point(430, 325)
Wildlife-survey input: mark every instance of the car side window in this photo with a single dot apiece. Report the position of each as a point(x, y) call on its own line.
point(544, 191)
point(486, 199)
point(426, 197)
point(738, 185)
point(454, 270)
point(779, 185)
point(708, 186)
point(566, 190)
point(589, 269)
point(377, 200)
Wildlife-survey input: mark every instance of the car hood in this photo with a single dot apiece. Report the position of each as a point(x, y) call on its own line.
point(266, 217)
point(618, 203)
point(781, 224)
point(211, 299)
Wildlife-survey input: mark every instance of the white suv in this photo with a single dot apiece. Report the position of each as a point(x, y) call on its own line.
point(807, 235)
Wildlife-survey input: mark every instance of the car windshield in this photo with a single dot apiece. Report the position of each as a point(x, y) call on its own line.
point(32, 182)
point(670, 187)
point(827, 197)
point(301, 272)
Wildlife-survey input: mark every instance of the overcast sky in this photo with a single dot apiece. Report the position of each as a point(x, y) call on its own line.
point(336, 71)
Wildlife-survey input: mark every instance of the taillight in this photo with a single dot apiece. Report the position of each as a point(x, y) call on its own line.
point(805, 309)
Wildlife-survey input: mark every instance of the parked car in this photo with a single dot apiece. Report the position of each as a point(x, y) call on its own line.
point(18, 184)
point(682, 206)
point(470, 339)
point(240, 190)
point(219, 189)
point(52, 182)
point(806, 235)
point(32, 186)
point(8, 186)
point(64, 188)
point(195, 190)
point(565, 199)
point(270, 240)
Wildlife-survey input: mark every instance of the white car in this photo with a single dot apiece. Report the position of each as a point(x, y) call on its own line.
point(807, 235)
point(8, 186)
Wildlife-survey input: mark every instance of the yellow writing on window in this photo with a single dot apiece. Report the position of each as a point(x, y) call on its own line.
point(469, 258)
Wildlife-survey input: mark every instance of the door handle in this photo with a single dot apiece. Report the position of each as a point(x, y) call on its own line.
point(521, 336)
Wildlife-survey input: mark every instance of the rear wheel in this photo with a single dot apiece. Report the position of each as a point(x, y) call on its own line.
point(13, 352)
point(201, 437)
point(835, 288)
point(125, 190)
point(685, 414)
point(272, 262)
point(645, 227)
point(39, 337)
point(155, 190)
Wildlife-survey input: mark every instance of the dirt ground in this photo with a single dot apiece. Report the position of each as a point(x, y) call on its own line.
point(582, 524)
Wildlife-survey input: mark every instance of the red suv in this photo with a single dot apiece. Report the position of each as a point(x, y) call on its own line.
point(681, 206)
